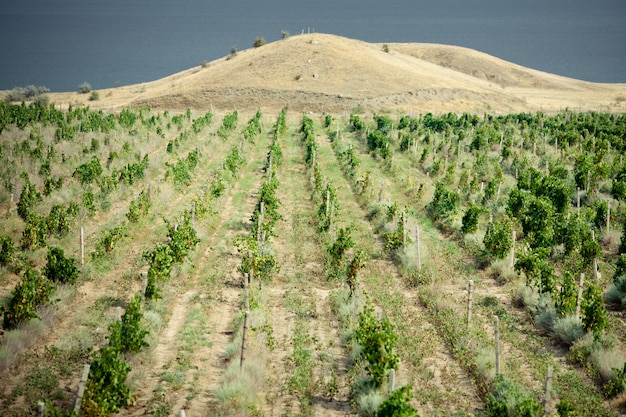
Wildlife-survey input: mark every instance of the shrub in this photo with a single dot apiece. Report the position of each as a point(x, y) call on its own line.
point(470, 218)
point(509, 399)
point(7, 249)
point(594, 313)
point(127, 335)
point(29, 197)
point(94, 96)
point(445, 203)
point(258, 42)
point(377, 339)
point(84, 88)
point(567, 330)
point(616, 293)
point(106, 389)
point(59, 268)
point(31, 292)
point(397, 404)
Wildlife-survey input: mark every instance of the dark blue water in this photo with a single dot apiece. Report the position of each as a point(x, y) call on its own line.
point(62, 43)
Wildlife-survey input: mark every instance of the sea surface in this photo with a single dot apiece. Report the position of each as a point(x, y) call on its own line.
point(63, 43)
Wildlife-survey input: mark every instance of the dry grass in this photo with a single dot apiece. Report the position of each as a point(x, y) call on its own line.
point(321, 72)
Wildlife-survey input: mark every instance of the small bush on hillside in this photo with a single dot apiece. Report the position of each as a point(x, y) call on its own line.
point(59, 268)
point(567, 330)
point(258, 42)
point(94, 96)
point(25, 93)
point(84, 88)
point(509, 399)
point(616, 293)
point(398, 404)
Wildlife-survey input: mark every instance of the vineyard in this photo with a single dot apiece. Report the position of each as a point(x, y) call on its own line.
point(300, 264)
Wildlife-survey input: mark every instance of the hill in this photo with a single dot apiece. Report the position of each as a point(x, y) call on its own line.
point(321, 72)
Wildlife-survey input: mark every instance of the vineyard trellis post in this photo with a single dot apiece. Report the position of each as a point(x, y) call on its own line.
point(496, 333)
point(243, 340)
point(419, 253)
point(181, 413)
point(82, 246)
point(596, 271)
point(546, 403)
point(144, 284)
point(470, 289)
point(40, 408)
point(246, 292)
point(512, 254)
point(81, 388)
point(392, 381)
point(579, 297)
point(608, 216)
point(578, 200)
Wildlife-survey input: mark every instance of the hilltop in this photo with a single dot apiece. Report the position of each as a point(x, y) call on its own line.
point(321, 72)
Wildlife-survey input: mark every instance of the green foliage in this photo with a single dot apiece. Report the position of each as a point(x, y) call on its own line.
point(7, 250)
point(617, 384)
point(134, 172)
point(538, 222)
point(271, 204)
point(253, 129)
point(229, 123)
point(139, 207)
point(356, 263)
point(180, 173)
point(262, 261)
point(398, 404)
point(378, 143)
point(595, 317)
point(127, 335)
point(445, 203)
point(618, 187)
point(620, 267)
point(533, 264)
point(182, 239)
point(160, 260)
point(356, 124)
point(498, 240)
point(35, 231)
point(29, 197)
point(566, 298)
point(89, 171)
point(106, 389)
point(471, 217)
point(59, 268)
point(377, 339)
point(58, 221)
point(234, 161)
point(509, 400)
point(30, 293)
point(88, 202)
point(337, 252)
point(107, 241)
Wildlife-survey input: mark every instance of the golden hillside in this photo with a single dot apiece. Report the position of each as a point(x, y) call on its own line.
point(321, 72)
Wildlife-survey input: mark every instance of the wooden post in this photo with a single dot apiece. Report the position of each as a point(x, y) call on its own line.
point(419, 252)
point(246, 292)
point(608, 216)
point(260, 222)
point(596, 271)
point(579, 298)
point(251, 272)
point(243, 340)
point(588, 181)
point(118, 313)
point(546, 403)
point(392, 381)
point(496, 333)
point(40, 406)
point(578, 200)
point(82, 247)
point(404, 228)
point(482, 186)
point(181, 413)
point(327, 204)
point(512, 256)
point(356, 302)
point(81, 388)
point(499, 189)
point(470, 289)
point(144, 284)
